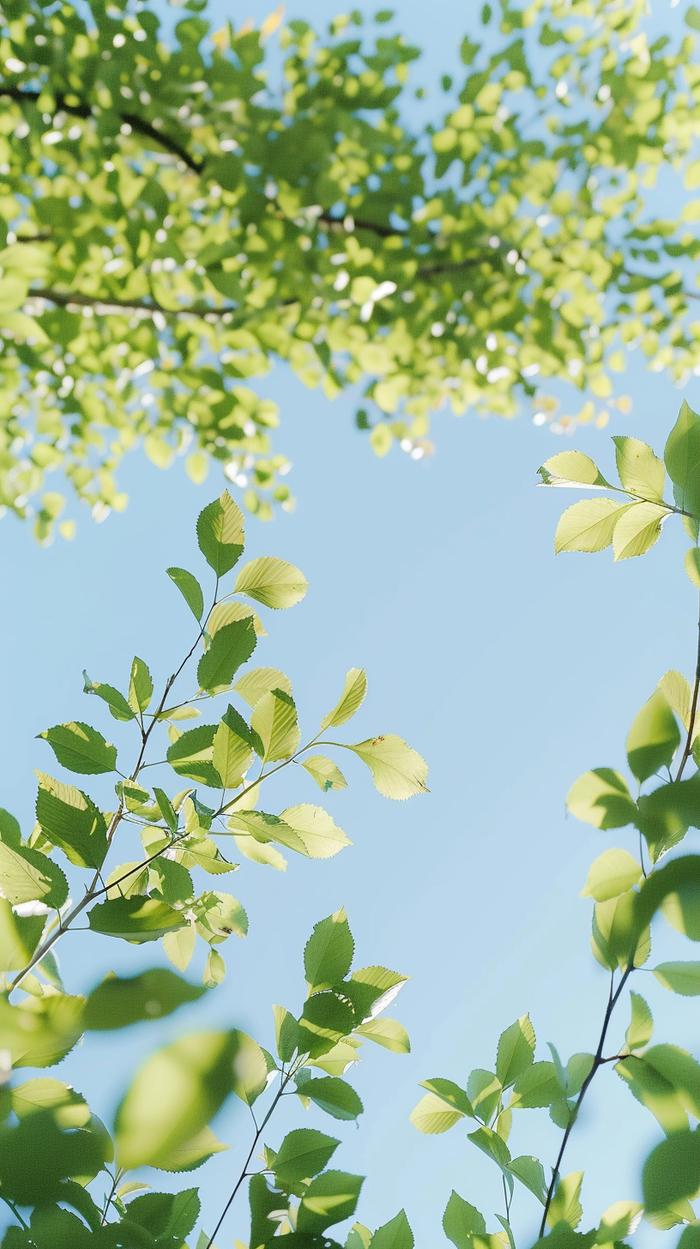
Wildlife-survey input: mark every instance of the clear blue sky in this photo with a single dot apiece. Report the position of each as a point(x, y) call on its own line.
point(512, 672)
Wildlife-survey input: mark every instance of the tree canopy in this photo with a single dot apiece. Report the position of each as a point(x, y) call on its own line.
point(182, 206)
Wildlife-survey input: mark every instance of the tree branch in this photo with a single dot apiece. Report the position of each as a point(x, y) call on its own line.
point(79, 108)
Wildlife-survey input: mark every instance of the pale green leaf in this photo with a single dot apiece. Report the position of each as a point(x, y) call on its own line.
point(588, 525)
point(638, 529)
point(601, 798)
point(398, 771)
point(653, 738)
point(641, 472)
point(683, 978)
point(275, 722)
point(273, 582)
point(325, 772)
point(612, 873)
point(173, 1096)
point(350, 701)
point(258, 681)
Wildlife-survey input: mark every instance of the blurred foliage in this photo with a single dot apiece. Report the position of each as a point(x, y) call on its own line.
point(182, 206)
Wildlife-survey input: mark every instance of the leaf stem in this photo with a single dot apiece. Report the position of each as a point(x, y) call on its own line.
point(688, 748)
point(598, 1061)
point(244, 1170)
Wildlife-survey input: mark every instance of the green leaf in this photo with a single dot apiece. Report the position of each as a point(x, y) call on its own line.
point(692, 565)
point(398, 771)
point(173, 1096)
point(258, 681)
point(491, 1144)
point(275, 722)
point(683, 978)
point(192, 753)
point(189, 588)
point(333, 1095)
point(462, 1221)
point(38, 1155)
point(571, 468)
point(653, 1090)
point(29, 876)
point(565, 1206)
point(641, 1025)
point(170, 1215)
point(10, 831)
point(230, 647)
point(303, 1153)
point(71, 821)
point(372, 989)
point(191, 1153)
point(441, 1107)
point(232, 751)
point(396, 1234)
point(672, 1170)
point(682, 458)
point(81, 748)
point(318, 833)
point(329, 951)
point(19, 937)
point(249, 1069)
point(219, 915)
point(136, 919)
point(587, 525)
point(388, 1033)
point(120, 1001)
point(220, 534)
point(485, 1091)
point(230, 610)
point(350, 701)
point(616, 934)
point(641, 472)
point(286, 1033)
point(116, 702)
point(328, 1199)
point(324, 772)
point(536, 1086)
point(638, 529)
point(325, 1020)
point(601, 798)
point(140, 685)
point(676, 690)
point(653, 738)
point(516, 1050)
point(530, 1172)
point(666, 814)
point(41, 1032)
point(273, 582)
point(612, 873)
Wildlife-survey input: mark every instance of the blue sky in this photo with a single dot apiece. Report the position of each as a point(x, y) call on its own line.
point(510, 670)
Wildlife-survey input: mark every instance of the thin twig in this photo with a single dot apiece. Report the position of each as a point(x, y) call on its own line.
point(244, 1171)
point(613, 998)
point(688, 749)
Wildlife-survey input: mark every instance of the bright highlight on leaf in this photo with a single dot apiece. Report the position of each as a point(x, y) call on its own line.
point(272, 581)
